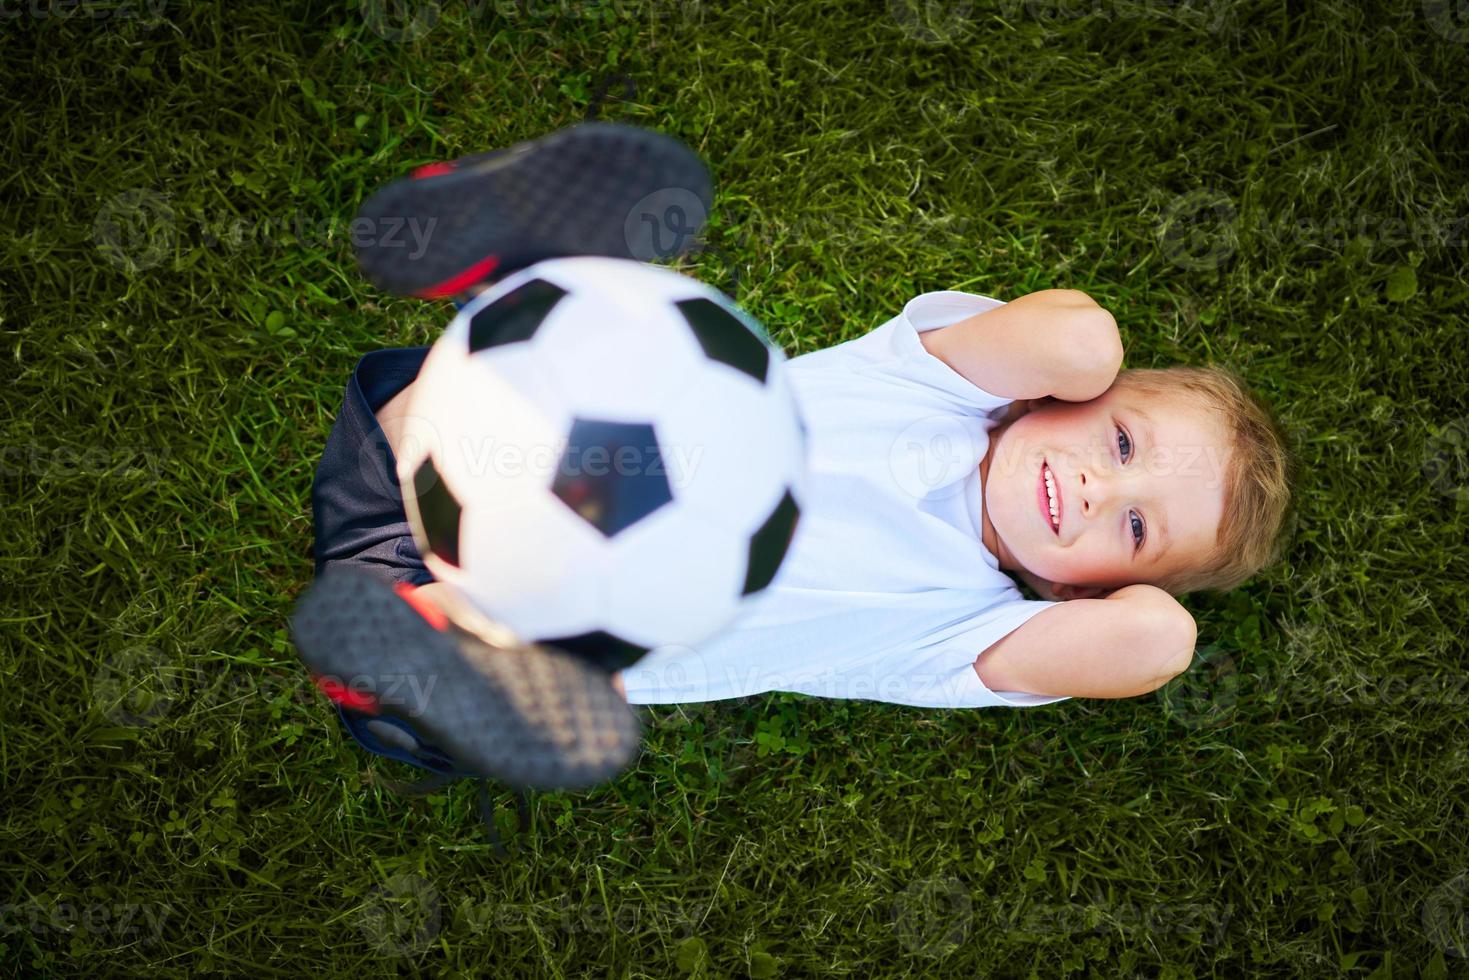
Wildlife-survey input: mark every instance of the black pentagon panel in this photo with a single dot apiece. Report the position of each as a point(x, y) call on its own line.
point(515, 316)
point(612, 474)
point(769, 545)
point(439, 511)
point(609, 652)
point(725, 338)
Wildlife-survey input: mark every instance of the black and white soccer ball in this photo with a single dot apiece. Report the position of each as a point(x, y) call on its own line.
point(607, 457)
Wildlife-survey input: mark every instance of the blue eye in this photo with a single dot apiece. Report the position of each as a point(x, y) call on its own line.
point(1139, 530)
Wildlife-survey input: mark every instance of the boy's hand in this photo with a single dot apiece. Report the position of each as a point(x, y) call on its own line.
point(1055, 342)
point(1016, 409)
point(1051, 592)
point(1039, 586)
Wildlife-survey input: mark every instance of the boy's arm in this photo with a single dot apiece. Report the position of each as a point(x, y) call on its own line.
point(1055, 342)
point(1132, 642)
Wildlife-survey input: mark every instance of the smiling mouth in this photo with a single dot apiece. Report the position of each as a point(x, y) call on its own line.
point(1044, 499)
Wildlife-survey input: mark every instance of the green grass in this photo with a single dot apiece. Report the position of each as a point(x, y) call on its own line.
point(177, 800)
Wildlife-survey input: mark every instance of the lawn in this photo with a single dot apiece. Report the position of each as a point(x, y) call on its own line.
point(1279, 188)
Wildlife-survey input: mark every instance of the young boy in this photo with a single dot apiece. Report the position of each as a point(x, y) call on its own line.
point(964, 441)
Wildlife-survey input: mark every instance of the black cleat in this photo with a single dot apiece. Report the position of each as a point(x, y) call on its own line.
point(594, 188)
point(526, 715)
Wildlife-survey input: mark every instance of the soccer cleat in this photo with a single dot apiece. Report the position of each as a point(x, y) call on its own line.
point(526, 715)
point(595, 188)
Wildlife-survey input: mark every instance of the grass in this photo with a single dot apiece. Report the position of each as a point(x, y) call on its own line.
point(1279, 188)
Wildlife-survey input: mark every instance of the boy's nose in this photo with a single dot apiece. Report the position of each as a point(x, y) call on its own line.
point(1092, 491)
point(1095, 490)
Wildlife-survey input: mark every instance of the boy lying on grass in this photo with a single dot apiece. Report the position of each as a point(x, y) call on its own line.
point(965, 441)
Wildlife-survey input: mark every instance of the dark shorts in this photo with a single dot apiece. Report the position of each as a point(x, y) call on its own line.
point(358, 517)
point(356, 503)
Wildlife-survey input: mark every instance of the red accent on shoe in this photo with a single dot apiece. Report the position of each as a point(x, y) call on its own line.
point(460, 283)
point(433, 170)
point(344, 695)
point(422, 606)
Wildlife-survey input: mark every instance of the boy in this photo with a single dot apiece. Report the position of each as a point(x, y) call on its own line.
point(963, 439)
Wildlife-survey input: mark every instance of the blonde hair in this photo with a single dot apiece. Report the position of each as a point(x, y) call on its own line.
point(1260, 472)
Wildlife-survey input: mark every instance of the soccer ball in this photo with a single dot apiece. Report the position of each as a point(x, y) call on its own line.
point(604, 456)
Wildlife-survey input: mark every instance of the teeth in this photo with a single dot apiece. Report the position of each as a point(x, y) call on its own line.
point(1051, 493)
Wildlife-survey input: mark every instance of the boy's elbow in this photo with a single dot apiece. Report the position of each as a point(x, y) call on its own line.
point(1098, 342)
point(1178, 635)
point(1165, 632)
point(1093, 351)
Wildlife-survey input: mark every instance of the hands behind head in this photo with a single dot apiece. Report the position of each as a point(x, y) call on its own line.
point(1021, 407)
point(1053, 592)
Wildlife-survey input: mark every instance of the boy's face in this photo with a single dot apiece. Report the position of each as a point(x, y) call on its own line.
point(1127, 467)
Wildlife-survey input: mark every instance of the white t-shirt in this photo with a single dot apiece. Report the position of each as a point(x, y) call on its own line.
point(887, 592)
